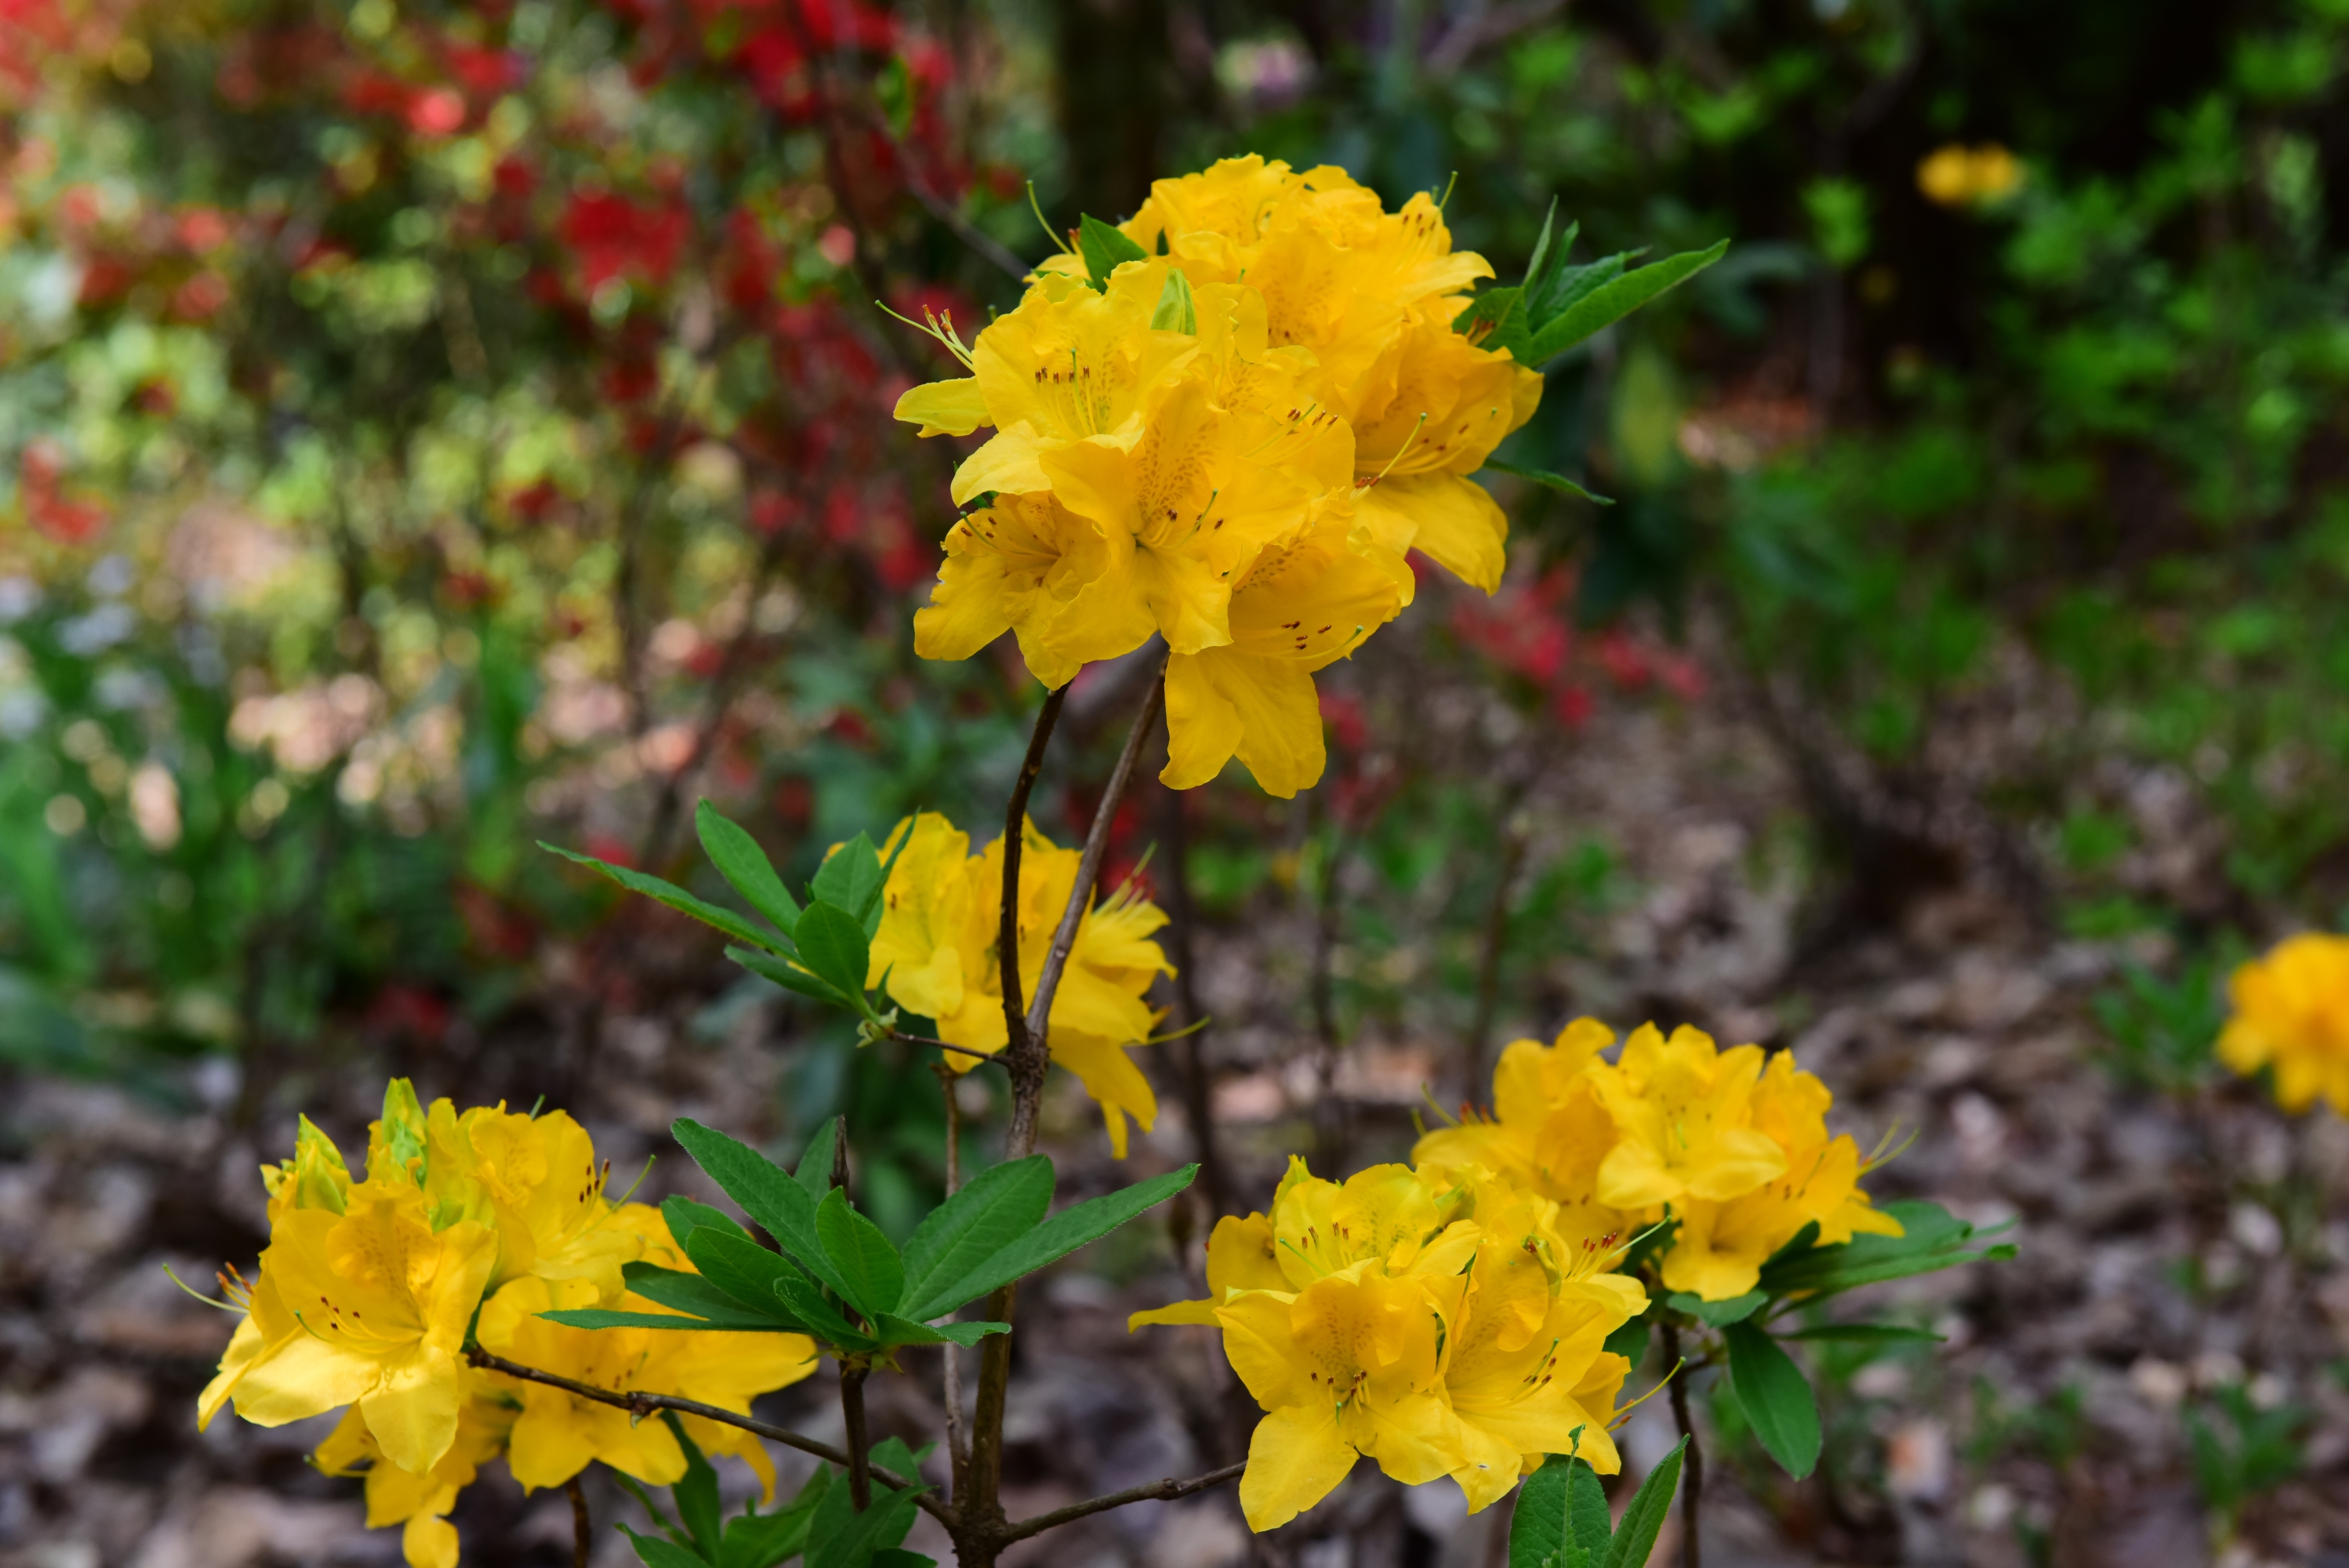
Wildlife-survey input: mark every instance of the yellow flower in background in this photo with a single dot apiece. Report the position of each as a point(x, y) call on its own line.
point(558, 1434)
point(2291, 1015)
point(1957, 176)
point(367, 1307)
point(935, 954)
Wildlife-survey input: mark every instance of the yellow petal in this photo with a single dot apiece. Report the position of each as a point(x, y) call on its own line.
point(412, 1409)
point(1203, 726)
point(945, 407)
point(428, 1542)
point(1263, 710)
point(1454, 521)
point(1295, 1459)
point(1175, 1315)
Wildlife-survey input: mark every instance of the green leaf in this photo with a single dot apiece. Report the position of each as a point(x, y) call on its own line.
point(1589, 1523)
point(1546, 269)
point(1718, 1313)
point(1643, 1516)
point(743, 1270)
point(894, 1330)
point(1544, 476)
point(695, 1492)
point(1775, 1396)
point(685, 1216)
point(742, 863)
point(763, 1540)
point(1613, 300)
point(736, 1320)
point(877, 1278)
point(814, 1174)
point(849, 876)
point(1053, 1240)
point(1176, 312)
point(1495, 320)
point(996, 1208)
point(1630, 1341)
point(779, 1205)
point(1537, 1530)
point(654, 1552)
point(898, 1557)
point(787, 974)
point(1868, 1333)
point(803, 1300)
point(1104, 249)
point(1568, 286)
point(677, 899)
point(833, 945)
point(842, 1538)
point(1933, 1239)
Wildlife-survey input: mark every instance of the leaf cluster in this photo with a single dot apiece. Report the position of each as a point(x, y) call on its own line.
point(820, 1523)
point(833, 1274)
point(1562, 1519)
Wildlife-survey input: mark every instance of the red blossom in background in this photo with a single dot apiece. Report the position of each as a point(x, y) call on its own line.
point(1527, 631)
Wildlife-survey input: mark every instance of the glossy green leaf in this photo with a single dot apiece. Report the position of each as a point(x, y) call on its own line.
point(1775, 1396)
point(994, 1209)
point(675, 898)
point(1615, 299)
point(744, 865)
point(738, 1321)
point(891, 1329)
point(682, 1291)
point(1933, 1239)
point(833, 945)
point(763, 1540)
point(742, 1268)
point(1544, 478)
point(877, 1278)
point(654, 1552)
point(789, 975)
point(1718, 1313)
point(685, 1216)
point(840, 1537)
point(849, 875)
point(1055, 1238)
point(695, 1492)
point(1643, 1516)
point(779, 1205)
point(1104, 249)
point(815, 1172)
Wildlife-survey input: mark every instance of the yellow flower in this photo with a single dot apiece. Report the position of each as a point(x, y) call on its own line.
point(366, 1308)
point(1297, 607)
point(1957, 176)
point(1681, 1108)
point(2291, 1014)
point(558, 1434)
point(1014, 565)
point(935, 955)
point(419, 1503)
point(1451, 404)
point(1549, 1132)
point(1349, 1366)
point(1523, 1341)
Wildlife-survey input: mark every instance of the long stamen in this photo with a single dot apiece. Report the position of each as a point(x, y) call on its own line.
point(1406, 447)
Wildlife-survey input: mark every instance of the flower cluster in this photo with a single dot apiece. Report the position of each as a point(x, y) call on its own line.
point(1733, 1148)
point(368, 1287)
point(1438, 1323)
point(1224, 424)
point(2291, 1014)
point(935, 955)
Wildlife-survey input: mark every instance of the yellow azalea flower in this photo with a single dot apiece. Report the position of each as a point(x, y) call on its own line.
point(316, 1178)
point(1242, 1254)
point(535, 1180)
point(1297, 607)
point(2291, 1014)
point(1521, 1343)
point(1452, 403)
point(557, 1434)
point(369, 1306)
point(418, 1503)
point(1681, 1108)
point(1012, 566)
point(1348, 1366)
point(935, 954)
point(1549, 1131)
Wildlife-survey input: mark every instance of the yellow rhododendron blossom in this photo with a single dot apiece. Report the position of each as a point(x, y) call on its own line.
point(1958, 176)
point(935, 953)
point(558, 1434)
point(1681, 1109)
point(2291, 1014)
point(420, 1504)
point(367, 1307)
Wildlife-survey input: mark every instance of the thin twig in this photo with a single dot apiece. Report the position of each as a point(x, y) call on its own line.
point(1081, 895)
point(1156, 1491)
point(1015, 835)
point(852, 1418)
point(1693, 1470)
point(583, 1540)
point(958, 1440)
point(641, 1405)
point(1190, 1047)
point(936, 1045)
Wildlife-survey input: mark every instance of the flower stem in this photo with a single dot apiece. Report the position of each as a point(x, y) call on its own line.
point(852, 1415)
point(1692, 1469)
point(1007, 942)
point(581, 1539)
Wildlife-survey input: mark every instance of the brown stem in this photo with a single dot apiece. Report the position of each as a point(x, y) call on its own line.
point(640, 1405)
point(950, 1353)
point(1190, 1048)
point(1693, 1467)
point(941, 1046)
point(852, 1415)
point(1155, 1492)
point(1014, 836)
point(981, 1504)
point(581, 1539)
